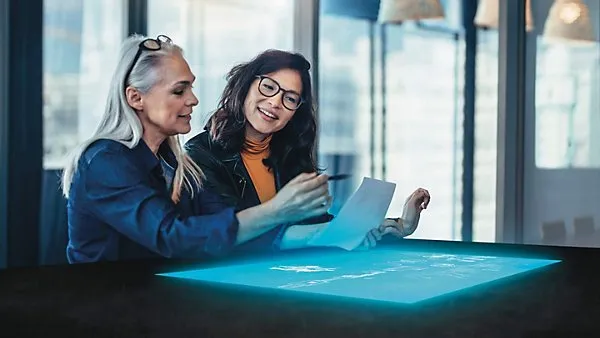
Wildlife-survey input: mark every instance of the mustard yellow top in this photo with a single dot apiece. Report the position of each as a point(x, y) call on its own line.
point(263, 179)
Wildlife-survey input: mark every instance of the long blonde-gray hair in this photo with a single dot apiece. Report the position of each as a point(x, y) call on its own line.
point(121, 123)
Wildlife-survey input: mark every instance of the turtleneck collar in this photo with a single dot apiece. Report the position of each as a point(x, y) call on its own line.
point(257, 147)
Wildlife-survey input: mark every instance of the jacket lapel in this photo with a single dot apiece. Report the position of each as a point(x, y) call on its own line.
point(235, 167)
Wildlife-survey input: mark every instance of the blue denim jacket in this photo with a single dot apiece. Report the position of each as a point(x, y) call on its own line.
point(119, 207)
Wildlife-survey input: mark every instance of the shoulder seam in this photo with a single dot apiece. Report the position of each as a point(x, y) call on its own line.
point(111, 147)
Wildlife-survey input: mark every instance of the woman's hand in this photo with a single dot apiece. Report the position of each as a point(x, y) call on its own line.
point(371, 239)
point(408, 223)
point(305, 196)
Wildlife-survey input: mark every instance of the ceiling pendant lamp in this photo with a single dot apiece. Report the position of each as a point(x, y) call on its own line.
point(398, 11)
point(569, 20)
point(488, 14)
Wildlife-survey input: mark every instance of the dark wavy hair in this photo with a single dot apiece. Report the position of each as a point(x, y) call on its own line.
point(292, 147)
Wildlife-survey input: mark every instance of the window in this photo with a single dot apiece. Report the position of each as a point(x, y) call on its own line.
point(80, 39)
point(344, 102)
point(218, 34)
point(562, 174)
point(424, 125)
point(567, 106)
point(419, 140)
point(486, 122)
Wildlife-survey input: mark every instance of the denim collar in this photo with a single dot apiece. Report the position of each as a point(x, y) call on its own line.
point(147, 158)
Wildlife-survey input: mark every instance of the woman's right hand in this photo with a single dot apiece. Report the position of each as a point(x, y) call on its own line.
point(305, 196)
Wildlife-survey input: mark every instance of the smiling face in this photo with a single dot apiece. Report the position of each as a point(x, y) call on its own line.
point(268, 115)
point(166, 109)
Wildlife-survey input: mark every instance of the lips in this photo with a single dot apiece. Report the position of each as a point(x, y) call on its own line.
point(268, 114)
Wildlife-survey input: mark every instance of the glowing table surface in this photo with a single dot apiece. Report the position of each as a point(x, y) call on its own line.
point(392, 275)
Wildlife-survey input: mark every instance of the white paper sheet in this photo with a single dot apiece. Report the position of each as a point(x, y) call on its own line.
point(364, 210)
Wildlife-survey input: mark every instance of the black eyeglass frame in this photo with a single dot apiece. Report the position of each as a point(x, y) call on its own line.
point(263, 77)
point(144, 46)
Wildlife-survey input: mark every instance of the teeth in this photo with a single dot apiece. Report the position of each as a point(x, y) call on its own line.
point(267, 113)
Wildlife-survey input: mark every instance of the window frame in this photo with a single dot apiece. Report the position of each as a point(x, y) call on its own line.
point(4, 37)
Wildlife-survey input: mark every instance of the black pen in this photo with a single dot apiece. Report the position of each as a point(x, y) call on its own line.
point(338, 177)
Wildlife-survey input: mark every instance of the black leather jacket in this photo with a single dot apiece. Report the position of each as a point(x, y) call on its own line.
point(226, 175)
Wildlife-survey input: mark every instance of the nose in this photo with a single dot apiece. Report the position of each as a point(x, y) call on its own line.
point(276, 101)
point(193, 101)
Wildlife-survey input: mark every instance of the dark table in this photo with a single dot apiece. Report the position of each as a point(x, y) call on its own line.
point(126, 299)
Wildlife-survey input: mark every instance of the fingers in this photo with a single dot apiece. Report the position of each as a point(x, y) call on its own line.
point(302, 178)
point(374, 236)
point(322, 210)
point(314, 183)
point(316, 193)
point(305, 196)
point(426, 198)
point(368, 242)
point(321, 201)
point(316, 209)
point(421, 198)
point(316, 197)
point(388, 222)
point(391, 226)
point(308, 186)
point(393, 231)
point(371, 241)
point(377, 234)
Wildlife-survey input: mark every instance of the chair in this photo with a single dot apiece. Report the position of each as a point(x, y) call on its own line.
point(585, 231)
point(554, 233)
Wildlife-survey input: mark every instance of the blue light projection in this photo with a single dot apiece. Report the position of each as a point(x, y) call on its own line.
point(389, 275)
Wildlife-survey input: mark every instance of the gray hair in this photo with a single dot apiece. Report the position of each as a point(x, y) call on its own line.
point(121, 123)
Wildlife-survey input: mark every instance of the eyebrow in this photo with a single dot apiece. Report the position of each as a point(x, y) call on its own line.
point(184, 82)
point(293, 91)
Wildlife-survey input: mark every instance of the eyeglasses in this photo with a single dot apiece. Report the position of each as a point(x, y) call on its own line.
point(269, 88)
point(148, 44)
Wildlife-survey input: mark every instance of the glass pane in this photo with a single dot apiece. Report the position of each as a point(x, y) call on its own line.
point(80, 39)
point(486, 122)
point(567, 105)
point(422, 144)
point(213, 45)
point(423, 122)
point(563, 156)
point(344, 102)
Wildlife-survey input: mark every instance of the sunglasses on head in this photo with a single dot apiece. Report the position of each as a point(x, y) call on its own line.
point(147, 45)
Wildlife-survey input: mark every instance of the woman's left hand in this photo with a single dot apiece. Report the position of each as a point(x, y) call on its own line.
point(415, 203)
point(407, 224)
point(400, 227)
point(371, 239)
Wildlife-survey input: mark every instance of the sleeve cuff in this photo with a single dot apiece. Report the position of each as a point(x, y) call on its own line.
point(223, 240)
point(276, 245)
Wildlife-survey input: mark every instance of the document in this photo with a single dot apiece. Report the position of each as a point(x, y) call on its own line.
point(364, 210)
